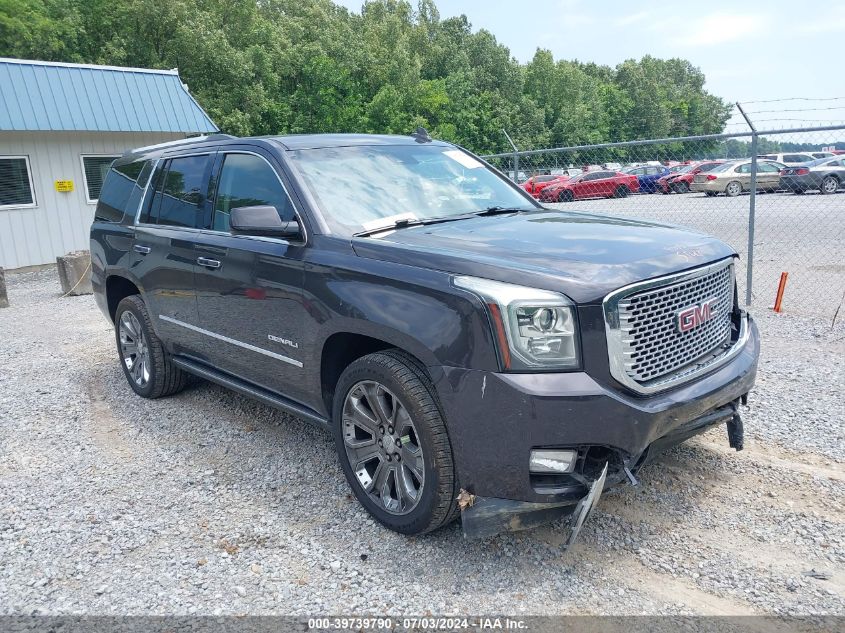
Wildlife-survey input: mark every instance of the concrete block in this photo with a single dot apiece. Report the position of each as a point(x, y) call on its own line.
point(4, 297)
point(75, 273)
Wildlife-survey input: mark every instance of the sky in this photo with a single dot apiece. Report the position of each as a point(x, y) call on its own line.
point(748, 51)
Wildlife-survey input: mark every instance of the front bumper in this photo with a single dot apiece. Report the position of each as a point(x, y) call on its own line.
point(495, 420)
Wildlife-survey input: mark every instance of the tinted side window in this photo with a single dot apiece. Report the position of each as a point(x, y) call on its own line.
point(247, 181)
point(182, 197)
point(116, 193)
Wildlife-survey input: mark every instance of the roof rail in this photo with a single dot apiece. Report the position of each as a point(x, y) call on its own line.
point(182, 141)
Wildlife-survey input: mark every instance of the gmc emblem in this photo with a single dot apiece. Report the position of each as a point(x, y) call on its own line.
point(693, 316)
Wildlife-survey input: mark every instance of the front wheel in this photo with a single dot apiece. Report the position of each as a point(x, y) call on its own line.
point(829, 185)
point(681, 187)
point(621, 192)
point(733, 189)
point(565, 196)
point(392, 443)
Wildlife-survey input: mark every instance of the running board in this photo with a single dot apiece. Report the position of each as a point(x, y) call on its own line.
point(251, 391)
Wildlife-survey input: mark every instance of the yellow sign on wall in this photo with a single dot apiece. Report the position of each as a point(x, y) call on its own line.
point(64, 185)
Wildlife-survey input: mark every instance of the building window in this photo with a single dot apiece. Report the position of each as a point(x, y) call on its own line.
point(16, 182)
point(94, 169)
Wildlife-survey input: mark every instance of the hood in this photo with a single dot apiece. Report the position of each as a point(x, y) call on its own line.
point(584, 256)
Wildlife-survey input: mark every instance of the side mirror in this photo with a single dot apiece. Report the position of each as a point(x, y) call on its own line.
point(264, 221)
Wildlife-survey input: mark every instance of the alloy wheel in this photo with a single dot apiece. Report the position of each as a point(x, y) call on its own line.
point(134, 349)
point(383, 447)
point(830, 185)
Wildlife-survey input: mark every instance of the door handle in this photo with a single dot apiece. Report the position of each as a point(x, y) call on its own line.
point(208, 263)
point(140, 248)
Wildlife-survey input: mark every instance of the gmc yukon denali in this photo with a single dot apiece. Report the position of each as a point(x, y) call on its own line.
point(472, 352)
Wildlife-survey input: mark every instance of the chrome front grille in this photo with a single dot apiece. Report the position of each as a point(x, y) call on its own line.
point(664, 331)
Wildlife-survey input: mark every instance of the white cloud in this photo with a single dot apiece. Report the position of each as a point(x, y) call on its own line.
point(719, 28)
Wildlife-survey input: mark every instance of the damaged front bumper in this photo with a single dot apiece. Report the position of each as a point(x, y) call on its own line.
point(488, 516)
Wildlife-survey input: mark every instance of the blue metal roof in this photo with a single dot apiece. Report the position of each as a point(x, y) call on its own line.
point(45, 96)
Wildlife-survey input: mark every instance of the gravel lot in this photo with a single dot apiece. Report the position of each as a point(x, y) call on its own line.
point(210, 503)
point(802, 235)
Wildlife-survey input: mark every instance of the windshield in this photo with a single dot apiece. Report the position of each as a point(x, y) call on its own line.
point(361, 188)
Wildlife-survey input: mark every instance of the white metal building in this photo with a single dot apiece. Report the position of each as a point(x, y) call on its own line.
point(61, 126)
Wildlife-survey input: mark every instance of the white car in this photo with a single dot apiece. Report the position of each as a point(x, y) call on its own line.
point(789, 159)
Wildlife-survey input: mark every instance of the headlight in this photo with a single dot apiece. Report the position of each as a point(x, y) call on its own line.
point(535, 328)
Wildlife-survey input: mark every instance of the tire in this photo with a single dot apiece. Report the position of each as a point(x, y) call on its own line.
point(149, 370)
point(733, 189)
point(829, 185)
point(622, 191)
point(681, 187)
point(402, 393)
point(565, 196)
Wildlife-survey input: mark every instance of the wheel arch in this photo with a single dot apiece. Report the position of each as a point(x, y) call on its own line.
point(343, 348)
point(118, 288)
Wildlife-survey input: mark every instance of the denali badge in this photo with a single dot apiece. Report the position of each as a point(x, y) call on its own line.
point(283, 341)
point(693, 316)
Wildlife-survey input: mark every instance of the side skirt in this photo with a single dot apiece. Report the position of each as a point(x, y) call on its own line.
point(258, 393)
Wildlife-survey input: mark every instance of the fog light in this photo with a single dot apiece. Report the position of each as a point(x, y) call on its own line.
point(552, 461)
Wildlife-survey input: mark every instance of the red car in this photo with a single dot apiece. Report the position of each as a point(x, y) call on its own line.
point(679, 182)
point(593, 184)
point(536, 184)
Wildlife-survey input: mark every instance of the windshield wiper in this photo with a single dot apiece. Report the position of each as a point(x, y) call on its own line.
point(402, 223)
point(391, 226)
point(498, 210)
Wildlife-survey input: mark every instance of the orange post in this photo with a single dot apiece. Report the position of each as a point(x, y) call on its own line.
point(781, 288)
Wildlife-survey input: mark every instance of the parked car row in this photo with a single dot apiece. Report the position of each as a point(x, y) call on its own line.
point(711, 177)
point(797, 172)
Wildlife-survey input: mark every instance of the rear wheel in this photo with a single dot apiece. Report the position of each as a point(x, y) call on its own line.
point(145, 363)
point(565, 196)
point(829, 185)
point(392, 443)
point(622, 191)
point(733, 189)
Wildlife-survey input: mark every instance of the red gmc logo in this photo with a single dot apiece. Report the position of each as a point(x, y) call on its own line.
point(693, 316)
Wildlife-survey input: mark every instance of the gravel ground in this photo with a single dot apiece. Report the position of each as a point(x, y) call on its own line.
point(207, 502)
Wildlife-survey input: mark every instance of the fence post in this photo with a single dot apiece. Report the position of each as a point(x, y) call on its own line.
point(515, 157)
point(752, 206)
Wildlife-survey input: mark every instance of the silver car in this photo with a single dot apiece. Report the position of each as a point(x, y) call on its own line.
point(734, 178)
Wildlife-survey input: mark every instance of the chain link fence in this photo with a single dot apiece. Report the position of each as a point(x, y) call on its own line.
point(777, 197)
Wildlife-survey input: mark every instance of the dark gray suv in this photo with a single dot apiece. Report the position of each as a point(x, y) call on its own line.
point(472, 352)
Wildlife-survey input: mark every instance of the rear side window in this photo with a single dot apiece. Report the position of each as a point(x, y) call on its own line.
point(247, 180)
point(179, 197)
point(119, 189)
